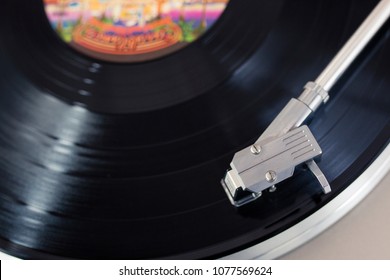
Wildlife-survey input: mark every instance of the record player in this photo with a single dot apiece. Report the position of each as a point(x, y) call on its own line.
point(129, 128)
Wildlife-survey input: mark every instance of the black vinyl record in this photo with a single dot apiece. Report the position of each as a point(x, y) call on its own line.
point(103, 160)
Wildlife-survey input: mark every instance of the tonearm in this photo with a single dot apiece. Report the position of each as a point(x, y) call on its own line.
point(287, 142)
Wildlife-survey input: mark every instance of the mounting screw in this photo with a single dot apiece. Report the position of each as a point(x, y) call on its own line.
point(255, 149)
point(270, 176)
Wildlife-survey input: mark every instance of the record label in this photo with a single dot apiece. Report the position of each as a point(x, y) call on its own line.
point(131, 30)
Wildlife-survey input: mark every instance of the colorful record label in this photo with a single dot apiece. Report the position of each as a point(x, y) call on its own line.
point(131, 30)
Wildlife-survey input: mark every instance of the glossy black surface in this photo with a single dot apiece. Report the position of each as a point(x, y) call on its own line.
point(110, 161)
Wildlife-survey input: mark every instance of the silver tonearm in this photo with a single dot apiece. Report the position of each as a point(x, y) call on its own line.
point(286, 143)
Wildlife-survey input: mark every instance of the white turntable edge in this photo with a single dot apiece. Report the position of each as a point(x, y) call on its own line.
point(322, 219)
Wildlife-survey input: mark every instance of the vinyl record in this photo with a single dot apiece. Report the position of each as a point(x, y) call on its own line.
point(108, 160)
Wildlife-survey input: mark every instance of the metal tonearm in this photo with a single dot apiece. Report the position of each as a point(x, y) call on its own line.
point(286, 143)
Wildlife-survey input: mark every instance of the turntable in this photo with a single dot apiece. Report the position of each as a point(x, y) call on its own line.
point(119, 120)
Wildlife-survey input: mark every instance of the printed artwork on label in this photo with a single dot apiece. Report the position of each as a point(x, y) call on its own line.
point(131, 30)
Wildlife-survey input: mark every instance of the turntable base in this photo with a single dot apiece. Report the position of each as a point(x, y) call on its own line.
point(361, 234)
